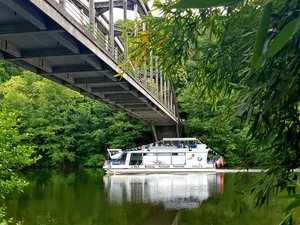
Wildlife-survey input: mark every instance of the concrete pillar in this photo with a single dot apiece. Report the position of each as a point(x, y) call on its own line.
point(111, 26)
point(92, 17)
point(154, 132)
point(126, 35)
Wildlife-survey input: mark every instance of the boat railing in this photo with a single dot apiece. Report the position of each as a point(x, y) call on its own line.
point(172, 146)
point(161, 147)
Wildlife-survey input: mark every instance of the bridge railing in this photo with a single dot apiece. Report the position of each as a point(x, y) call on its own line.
point(150, 76)
point(77, 14)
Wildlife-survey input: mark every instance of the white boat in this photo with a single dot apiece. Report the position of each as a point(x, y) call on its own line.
point(171, 155)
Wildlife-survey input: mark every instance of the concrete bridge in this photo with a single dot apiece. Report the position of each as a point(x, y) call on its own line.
point(76, 44)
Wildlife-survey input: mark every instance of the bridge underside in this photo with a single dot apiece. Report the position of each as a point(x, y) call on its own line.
point(41, 37)
point(167, 131)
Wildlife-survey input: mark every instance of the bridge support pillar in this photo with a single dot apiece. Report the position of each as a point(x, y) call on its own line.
point(165, 131)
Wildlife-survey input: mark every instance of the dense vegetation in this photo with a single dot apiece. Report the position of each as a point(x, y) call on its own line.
point(214, 125)
point(43, 124)
point(66, 128)
point(242, 59)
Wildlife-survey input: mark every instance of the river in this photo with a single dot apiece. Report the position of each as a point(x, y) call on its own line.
point(89, 197)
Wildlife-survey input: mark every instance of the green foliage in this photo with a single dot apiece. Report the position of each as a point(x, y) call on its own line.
point(14, 155)
point(246, 54)
point(283, 37)
point(68, 129)
point(7, 70)
point(3, 74)
point(185, 4)
point(126, 133)
point(224, 134)
point(95, 160)
point(261, 36)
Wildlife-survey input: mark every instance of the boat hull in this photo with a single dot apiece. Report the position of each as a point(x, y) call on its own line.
point(157, 170)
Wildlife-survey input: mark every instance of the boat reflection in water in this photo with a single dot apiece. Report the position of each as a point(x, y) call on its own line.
point(174, 191)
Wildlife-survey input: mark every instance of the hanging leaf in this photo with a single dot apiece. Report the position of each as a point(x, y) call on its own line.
point(282, 38)
point(292, 205)
point(119, 74)
point(199, 4)
point(121, 65)
point(261, 37)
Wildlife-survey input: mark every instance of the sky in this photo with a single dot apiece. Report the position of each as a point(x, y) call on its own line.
point(118, 13)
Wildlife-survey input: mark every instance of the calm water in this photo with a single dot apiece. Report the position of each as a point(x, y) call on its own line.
point(88, 197)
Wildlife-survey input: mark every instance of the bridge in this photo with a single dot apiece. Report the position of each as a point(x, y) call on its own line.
point(76, 44)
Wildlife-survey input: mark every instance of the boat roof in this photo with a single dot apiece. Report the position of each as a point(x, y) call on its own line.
point(180, 139)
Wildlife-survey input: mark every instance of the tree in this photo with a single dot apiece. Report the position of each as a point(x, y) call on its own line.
point(67, 128)
point(246, 52)
point(14, 155)
point(7, 70)
point(126, 133)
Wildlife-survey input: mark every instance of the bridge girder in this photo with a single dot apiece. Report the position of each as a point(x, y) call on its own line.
point(38, 35)
point(102, 7)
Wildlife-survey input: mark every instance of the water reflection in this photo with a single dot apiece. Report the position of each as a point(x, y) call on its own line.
point(174, 191)
point(82, 198)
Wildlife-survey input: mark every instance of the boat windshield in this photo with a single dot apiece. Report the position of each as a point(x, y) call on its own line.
point(120, 160)
point(114, 153)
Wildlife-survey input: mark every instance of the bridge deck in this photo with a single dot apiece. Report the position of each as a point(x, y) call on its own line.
point(42, 37)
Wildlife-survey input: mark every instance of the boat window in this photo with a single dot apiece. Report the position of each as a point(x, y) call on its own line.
point(114, 152)
point(123, 157)
point(178, 153)
point(150, 158)
point(136, 159)
point(121, 160)
point(152, 154)
point(178, 158)
point(164, 153)
point(164, 158)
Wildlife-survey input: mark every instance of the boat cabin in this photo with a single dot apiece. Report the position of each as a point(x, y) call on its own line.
point(177, 152)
